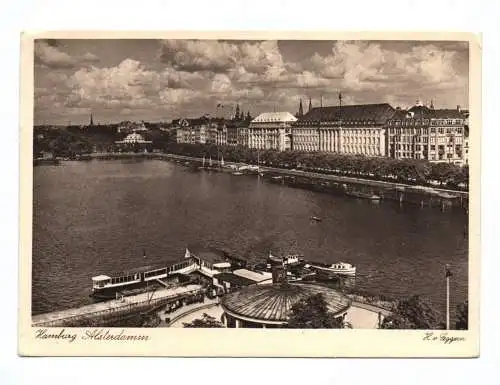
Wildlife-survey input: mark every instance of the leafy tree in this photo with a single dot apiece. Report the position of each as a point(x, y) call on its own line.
point(312, 313)
point(413, 313)
point(206, 321)
point(462, 316)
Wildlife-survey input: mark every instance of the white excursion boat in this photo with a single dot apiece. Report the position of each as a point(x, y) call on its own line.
point(340, 268)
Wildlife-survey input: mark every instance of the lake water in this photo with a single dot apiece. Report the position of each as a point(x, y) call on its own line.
point(99, 216)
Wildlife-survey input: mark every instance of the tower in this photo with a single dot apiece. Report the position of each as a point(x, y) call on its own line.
point(278, 270)
point(310, 105)
point(237, 113)
point(91, 119)
point(301, 111)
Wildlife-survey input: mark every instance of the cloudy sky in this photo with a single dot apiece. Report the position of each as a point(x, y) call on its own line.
point(160, 80)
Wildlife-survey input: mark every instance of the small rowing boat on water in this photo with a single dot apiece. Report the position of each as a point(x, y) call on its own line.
point(317, 219)
point(363, 195)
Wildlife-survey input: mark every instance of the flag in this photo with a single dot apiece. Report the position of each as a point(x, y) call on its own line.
point(448, 271)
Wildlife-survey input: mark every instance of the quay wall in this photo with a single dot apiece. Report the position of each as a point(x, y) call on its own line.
point(335, 184)
point(97, 316)
point(328, 183)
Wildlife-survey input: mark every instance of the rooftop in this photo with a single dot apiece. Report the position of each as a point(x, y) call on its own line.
point(253, 275)
point(274, 302)
point(376, 113)
point(235, 279)
point(423, 112)
point(209, 255)
point(271, 117)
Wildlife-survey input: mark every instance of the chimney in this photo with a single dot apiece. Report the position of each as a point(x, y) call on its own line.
point(458, 107)
point(278, 270)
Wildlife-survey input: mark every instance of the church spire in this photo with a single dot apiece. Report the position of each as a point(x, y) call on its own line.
point(91, 119)
point(310, 105)
point(301, 111)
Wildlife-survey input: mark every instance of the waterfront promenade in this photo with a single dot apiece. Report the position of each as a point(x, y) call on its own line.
point(58, 318)
point(296, 173)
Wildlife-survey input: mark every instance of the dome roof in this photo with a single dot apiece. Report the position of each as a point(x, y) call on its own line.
point(271, 117)
point(274, 302)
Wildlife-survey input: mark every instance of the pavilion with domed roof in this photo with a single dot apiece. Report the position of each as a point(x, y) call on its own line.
point(269, 305)
point(133, 142)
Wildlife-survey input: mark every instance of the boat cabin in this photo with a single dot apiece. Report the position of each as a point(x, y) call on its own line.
point(100, 281)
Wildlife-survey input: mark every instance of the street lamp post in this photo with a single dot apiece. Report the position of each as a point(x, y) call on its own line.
point(447, 276)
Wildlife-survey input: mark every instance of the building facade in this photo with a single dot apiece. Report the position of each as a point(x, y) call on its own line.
point(193, 131)
point(305, 138)
point(243, 136)
point(351, 129)
point(133, 141)
point(422, 132)
point(271, 131)
point(232, 135)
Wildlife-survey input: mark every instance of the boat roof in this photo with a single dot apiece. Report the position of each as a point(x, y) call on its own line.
point(101, 277)
point(222, 265)
point(144, 269)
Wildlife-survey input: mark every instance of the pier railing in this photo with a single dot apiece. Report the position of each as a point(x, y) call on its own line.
point(112, 312)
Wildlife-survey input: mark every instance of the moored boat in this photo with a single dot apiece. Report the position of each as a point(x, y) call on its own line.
point(134, 281)
point(340, 268)
point(363, 195)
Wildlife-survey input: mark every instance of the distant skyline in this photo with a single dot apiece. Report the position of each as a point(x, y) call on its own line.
point(161, 80)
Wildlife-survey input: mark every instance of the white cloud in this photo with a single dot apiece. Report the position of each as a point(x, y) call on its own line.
point(48, 54)
point(196, 75)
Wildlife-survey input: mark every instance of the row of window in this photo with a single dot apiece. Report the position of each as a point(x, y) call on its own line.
point(425, 131)
point(417, 122)
point(420, 156)
point(362, 140)
point(406, 147)
point(362, 131)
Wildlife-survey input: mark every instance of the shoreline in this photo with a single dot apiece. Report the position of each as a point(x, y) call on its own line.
point(359, 188)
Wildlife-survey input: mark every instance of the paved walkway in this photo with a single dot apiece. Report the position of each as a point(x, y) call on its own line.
point(60, 316)
point(187, 310)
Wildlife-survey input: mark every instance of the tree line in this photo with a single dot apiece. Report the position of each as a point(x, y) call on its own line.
point(71, 142)
point(75, 141)
point(409, 171)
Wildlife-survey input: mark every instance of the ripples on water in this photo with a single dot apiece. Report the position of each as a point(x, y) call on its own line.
point(96, 217)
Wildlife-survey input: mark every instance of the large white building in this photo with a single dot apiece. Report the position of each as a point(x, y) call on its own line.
point(351, 129)
point(271, 131)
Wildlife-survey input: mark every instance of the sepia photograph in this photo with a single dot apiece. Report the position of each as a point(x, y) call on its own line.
point(250, 183)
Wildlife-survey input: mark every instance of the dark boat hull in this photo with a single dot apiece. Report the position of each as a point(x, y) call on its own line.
point(115, 292)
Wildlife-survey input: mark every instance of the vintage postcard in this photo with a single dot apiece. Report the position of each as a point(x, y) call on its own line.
point(250, 194)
